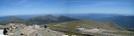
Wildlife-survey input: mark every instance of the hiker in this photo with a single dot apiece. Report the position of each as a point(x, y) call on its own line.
point(45, 26)
point(5, 31)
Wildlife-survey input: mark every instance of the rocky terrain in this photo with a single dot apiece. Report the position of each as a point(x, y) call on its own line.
point(14, 29)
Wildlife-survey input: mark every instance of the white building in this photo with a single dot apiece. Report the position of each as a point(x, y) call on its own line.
point(80, 29)
point(36, 26)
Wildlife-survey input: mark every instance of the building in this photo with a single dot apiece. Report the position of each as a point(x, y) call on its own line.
point(36, 26)
point(80, 29)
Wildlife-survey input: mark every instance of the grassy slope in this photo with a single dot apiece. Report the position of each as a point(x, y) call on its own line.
point(70, 26)
point(85, 24)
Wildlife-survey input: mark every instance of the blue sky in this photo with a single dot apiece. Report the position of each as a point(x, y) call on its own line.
point(26, 7)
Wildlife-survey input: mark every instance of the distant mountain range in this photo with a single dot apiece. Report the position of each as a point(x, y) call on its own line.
point(77, 16)
point(124, 21)
point(121, 20)
point(91, 16)
point(38, 20)
point(4, 18)
point(12, 20)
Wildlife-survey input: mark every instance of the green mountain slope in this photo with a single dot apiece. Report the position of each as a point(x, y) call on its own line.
point(85, 24)
point(124, 21)
point(107, 28)
point(65, 18)
point(42, 19)
point(13, 20)
point(39, 20)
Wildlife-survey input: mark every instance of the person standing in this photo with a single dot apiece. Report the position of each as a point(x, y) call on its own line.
point(45, 26)
point(5, 31)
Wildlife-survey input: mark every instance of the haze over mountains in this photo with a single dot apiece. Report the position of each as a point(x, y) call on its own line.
point(124, 21)
point(38, 19)
point(121, 20)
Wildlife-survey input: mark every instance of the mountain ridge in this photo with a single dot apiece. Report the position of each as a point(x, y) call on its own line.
point(125, 21)
point(121, 20)
point(38, 20)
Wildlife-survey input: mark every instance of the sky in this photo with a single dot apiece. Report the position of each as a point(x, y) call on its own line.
point(26, 7)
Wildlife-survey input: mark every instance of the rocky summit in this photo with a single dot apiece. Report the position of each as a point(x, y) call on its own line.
point(14, 29)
